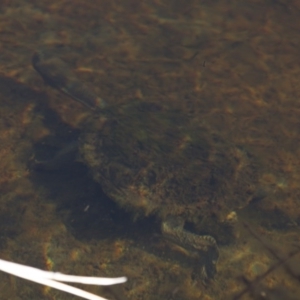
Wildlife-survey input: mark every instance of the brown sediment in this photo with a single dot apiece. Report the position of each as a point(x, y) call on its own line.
point(247, 91)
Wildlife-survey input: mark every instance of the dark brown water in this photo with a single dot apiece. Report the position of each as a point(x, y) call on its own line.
point(232, 67)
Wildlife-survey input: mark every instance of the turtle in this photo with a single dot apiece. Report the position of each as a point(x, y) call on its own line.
point(151, 159)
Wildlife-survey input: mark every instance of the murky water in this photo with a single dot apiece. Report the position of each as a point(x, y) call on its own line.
point(230, 68)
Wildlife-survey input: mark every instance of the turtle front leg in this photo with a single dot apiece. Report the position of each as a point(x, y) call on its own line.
point(65, 156)
point(205, 247)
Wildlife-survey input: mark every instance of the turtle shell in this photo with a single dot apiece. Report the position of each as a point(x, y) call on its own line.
point(154, 160)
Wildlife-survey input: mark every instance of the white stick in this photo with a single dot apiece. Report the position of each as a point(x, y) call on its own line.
point(52, 279)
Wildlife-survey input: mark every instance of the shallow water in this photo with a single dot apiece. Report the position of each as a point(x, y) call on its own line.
point(232, 68)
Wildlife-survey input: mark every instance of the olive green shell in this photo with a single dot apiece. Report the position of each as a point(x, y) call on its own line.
point(153, 160)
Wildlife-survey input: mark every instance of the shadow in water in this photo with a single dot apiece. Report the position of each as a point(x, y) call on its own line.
point(85, 209)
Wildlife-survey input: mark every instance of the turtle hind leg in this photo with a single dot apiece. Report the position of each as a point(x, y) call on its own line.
point(203, 247)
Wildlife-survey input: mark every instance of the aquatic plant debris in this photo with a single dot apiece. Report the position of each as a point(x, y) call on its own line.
point(52, 279)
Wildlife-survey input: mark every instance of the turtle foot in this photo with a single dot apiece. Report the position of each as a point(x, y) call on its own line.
point(204, 247)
